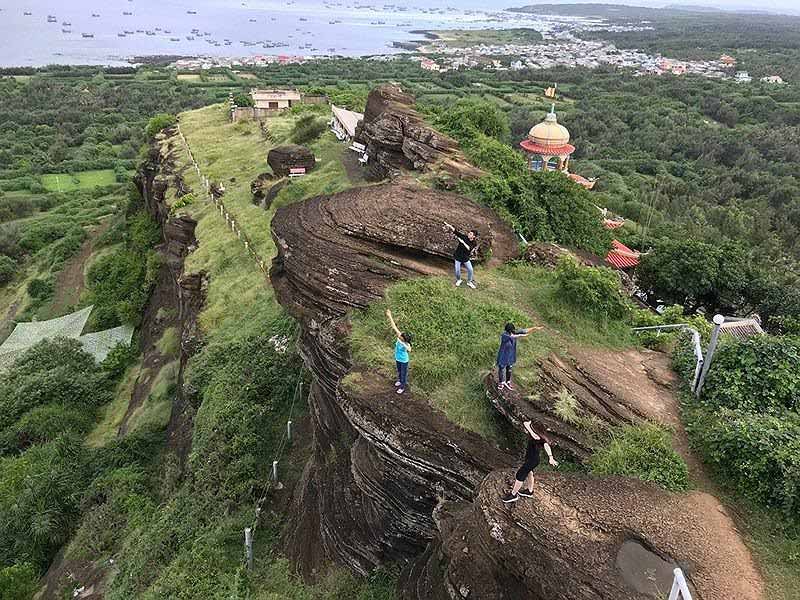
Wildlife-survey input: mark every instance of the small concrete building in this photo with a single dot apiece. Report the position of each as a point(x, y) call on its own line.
point(275, 99)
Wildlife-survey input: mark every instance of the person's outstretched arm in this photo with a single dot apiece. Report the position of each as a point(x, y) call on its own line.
point(396, 330)
point(525, 332)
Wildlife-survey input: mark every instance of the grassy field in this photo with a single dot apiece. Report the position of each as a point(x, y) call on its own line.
point(67, 182)
point(462, 38)
point(457, 332)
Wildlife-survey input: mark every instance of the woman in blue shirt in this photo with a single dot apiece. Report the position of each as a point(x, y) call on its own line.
point(402, 347)
point(507, 354)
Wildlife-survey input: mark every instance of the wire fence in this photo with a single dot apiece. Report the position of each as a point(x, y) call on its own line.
point(213, 195)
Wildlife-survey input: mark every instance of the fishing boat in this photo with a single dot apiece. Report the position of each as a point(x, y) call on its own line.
point(51, 19)
point(127, 13)
point(27, 14)
point(120, 35)
point(66, 31)
point(191, 12)
point(174, 39)
point(190, 38)
point(95, 15)
point(149, 32)
point(66, 24)
point(126, 32)
point(87, 35)
point(252, 20)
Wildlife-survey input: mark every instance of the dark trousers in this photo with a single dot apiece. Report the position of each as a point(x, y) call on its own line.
point(526, 468)
point(504, 373)
point(402, 373)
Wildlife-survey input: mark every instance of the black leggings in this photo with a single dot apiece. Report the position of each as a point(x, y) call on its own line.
point(526, 469)
point(504, 373)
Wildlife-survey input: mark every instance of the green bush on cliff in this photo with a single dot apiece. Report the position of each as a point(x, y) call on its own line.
point(643, 452)
point(592, 289)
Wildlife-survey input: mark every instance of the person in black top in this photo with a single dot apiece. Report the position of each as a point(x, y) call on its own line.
point(536, 441)
point(463, 253)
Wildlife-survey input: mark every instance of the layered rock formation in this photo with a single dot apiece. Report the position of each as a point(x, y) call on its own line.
point(381, 463)
point(282, 159)
point(397, 137)
point(582, 538)
point(598, 389)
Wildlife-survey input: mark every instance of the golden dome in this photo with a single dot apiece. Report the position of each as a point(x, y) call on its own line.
point(549, 132)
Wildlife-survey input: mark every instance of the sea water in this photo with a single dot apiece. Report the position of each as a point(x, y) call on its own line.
point(230, 28)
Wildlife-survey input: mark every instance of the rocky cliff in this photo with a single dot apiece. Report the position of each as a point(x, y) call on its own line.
point(397, 138)
point(390, 479)
point(380, 463)
point(177, 294)
point(582, 538)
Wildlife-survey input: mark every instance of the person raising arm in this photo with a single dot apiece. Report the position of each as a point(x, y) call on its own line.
point(402, 347)
point(462, 255)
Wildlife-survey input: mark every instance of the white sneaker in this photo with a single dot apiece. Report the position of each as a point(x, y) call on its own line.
point(400, 390)
point(458, 282)
point(472, 285)
point(508, 385)
point(397, 384)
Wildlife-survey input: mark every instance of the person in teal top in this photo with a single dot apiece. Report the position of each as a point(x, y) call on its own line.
point(402, 347)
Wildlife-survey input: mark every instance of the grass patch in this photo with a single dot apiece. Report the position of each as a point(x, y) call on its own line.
point(154, 412)
point(644, 452)
point(67, 182)
point(463, 38)
point(113, 413)
point(170, 342)
point(457, 333)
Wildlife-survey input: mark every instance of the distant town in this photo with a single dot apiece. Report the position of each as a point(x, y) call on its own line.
point(560, 47)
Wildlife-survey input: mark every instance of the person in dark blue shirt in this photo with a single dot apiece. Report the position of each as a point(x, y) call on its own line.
point(507, 354)
point(402, 347)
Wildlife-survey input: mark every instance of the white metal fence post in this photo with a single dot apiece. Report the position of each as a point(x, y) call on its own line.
point(248, 544)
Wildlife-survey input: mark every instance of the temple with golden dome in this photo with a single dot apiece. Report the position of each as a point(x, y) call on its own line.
point(548, 148)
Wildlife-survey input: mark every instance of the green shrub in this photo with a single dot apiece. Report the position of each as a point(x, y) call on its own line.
point(44, 424)
point(470, 118)
point(18, 582)
point(644, 452)
point(120, 282)
point(243, 100)
point(758, 454)
point(159, 122)
point(40, 289)
point(307, 129)
point(57, 372)
point(39, 500)
point(592, 289)
point(8, 268)
point(760, 374)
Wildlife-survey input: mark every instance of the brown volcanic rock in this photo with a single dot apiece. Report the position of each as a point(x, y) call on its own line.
point(291, 156)
point(380, 462)
point(609, 389)
point(397, 137)
point(582, 538)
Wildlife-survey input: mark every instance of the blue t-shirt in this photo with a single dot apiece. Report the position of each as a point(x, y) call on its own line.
point(507, 355)
point(400, 352)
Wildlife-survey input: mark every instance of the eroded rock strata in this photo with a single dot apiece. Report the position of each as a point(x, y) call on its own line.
point(380, 462)
point(397, 138)
point(582, 538)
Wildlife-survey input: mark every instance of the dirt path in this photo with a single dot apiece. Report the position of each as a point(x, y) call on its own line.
point(644, 380)
point(70, 281)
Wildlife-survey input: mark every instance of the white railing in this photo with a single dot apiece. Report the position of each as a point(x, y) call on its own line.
point(696, 346)
point(679, 587)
